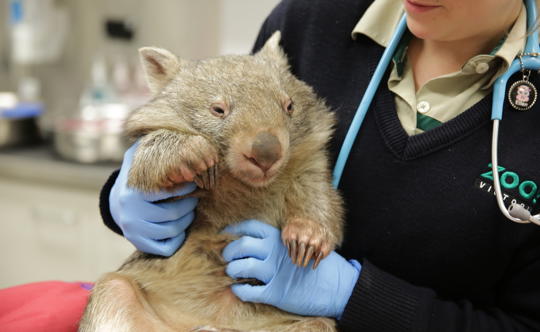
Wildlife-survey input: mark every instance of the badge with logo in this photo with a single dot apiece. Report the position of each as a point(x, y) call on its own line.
point(522, 95)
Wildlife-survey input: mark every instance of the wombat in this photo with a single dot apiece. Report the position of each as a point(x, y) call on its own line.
point(254, 139)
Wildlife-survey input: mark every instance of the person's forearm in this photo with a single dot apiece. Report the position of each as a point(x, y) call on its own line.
point(104, 207)
point(383, 303)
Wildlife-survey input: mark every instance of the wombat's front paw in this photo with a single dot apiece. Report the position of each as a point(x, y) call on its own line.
point(198, 163)
point(164, 166)
point(195, 161)
point(306, 239)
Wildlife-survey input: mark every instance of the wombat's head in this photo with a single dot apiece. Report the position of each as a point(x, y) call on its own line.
point(249, 106)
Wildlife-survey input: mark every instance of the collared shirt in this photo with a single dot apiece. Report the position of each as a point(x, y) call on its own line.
point(441, 98)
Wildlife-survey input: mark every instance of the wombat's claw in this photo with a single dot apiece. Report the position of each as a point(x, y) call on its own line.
point(320, 256)
point(301, 253)
point(306, 240)
point(212, 329)
point(207, 179)
point(204, 329)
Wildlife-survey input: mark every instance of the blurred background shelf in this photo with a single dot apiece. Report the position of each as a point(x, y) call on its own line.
point(41, 165)
point(50, 227)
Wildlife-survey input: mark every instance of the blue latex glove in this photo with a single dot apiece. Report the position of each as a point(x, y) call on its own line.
point(154, 228)
point(259, 253)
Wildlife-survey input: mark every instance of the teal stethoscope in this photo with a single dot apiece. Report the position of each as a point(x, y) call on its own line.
point(529, 61)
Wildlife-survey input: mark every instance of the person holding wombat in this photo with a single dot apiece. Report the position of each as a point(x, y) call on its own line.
point(431, 250)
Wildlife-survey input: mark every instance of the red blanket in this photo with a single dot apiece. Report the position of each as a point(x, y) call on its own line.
point(43, 306)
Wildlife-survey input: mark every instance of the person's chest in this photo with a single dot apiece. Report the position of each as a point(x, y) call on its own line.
point(423, 207)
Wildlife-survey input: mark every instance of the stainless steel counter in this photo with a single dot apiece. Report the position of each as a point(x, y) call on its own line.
point(40, 164)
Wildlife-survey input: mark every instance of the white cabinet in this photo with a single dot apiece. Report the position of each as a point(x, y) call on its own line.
point(54, 232)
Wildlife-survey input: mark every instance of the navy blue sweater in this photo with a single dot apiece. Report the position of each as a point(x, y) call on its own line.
point(436, 253)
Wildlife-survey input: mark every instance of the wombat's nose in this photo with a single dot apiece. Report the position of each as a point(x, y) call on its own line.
point(265, 150)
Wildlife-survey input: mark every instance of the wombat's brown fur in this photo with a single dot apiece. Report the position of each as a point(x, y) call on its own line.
point(254, 137)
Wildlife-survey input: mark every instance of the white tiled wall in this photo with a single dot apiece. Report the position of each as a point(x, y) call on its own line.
point(240, 22)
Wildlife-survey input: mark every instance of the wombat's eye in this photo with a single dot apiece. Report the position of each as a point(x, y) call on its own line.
point(219, 109)
point(289, 106)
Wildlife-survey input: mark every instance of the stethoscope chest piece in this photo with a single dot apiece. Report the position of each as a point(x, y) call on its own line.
point(522, 95)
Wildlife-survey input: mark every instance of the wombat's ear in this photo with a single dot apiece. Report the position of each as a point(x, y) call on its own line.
point(159, 65)
point(272, 50)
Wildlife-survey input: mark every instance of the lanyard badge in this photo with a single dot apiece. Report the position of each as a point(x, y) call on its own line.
point(522, 94)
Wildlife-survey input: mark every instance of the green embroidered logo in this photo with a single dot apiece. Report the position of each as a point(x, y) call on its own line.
point(510, 180)
point(515, 189)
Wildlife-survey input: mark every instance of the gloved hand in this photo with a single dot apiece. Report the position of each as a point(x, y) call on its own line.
point(154, 228)
point(259, 253)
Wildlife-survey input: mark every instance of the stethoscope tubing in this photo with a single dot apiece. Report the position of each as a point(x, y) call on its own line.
point(529, 61)
point(366, 101)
